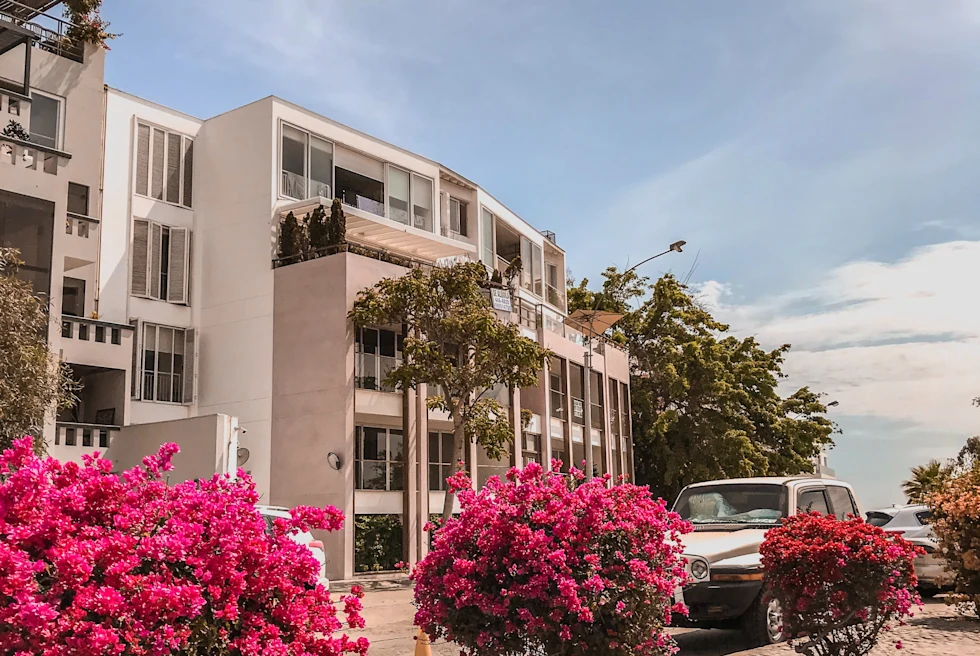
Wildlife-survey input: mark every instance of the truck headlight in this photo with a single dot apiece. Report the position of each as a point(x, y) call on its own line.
point(699, 569)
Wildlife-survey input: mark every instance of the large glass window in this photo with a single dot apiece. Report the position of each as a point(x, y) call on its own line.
point(486, 239)
point(487, 467)
point(360, 180)
point(537, 260)
point(45, 120)
point(576, 391)
point(27, 224)
point(399, 195)
point(164, 165)
point(457, 217)
point(440, 459)
point(596, 391)
point(294, 143)
point(532, 448)
point(377, 351)
point(379, 459)
point(422, 202)
point(163, 363)
point(614, 432)
point(578, 447)
point(556, 385)
point(321, 168)
point(78, 198)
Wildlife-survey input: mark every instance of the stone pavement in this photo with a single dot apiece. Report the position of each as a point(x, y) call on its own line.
point(936, 630)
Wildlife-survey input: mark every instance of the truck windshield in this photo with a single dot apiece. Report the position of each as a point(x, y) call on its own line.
point(733, 504)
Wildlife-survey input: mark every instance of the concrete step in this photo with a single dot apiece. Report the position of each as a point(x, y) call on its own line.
point(374, 581)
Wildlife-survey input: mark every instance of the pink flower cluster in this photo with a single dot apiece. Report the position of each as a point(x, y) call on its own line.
point(544, 563)
point(93, 563)
point(839, 582)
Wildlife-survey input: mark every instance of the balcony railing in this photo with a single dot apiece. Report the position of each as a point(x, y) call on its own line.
point(26, 155)
point(84, 436)
point(556, 297)
point(92, 330)
point(50, 31)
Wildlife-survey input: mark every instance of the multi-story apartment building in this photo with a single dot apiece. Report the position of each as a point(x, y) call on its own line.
point(198, 317)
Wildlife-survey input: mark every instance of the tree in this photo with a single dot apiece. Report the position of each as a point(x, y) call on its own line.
point(336, 224)
point(31, 382)
point(290, 238)
point(457, 345)
point(317, 229)
point(705, 404)
point(925, 480)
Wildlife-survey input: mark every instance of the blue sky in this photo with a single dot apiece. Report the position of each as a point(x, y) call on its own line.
point(819, 158)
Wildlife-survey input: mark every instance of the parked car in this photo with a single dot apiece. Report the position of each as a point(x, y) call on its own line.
point(912, 523)
point(730, 519)
point(270, 513)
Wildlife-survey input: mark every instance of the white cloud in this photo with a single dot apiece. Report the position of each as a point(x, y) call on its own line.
point(894, 341)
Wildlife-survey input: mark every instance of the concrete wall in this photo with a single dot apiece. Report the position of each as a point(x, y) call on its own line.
point(231, 280)
point(202, 441)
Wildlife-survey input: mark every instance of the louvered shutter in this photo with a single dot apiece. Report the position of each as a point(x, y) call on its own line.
point(156, 239)
point(137, 371)
point(159, 145)
point(141, 246)
point(173, 167)
point(177, 275)
point(188, 172)
point(142, 159)
point(190, 365)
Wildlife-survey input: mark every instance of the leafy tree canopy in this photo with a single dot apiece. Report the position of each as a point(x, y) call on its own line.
point(31, 382)
point(456, 344)
point(705, 403)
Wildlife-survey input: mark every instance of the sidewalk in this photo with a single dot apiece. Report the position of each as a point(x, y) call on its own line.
point(936, 630)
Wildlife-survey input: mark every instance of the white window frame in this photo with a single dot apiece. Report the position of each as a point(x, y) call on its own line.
point(141, 389)
point(388, 461)
point(59, 140)
point(163, 296)
point(149, 174)
point(411, 195)
point(360, 356)
point(307, 159)
point(461, 221)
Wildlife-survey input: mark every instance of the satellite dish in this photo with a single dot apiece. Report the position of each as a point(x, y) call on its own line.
point(242, 455)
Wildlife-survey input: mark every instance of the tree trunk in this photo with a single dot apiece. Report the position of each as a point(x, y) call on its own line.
point(459, 444)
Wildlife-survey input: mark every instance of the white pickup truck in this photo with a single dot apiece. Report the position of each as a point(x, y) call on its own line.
point(730, 519)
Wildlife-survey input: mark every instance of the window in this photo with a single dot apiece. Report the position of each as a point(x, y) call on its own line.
point(166, 365)
point(924, 517)
point(45, 120)
point(842, 501)
point(399, 193)
point(27, 224)
point(559, 452)
point(879, 518)
point(596, 391)
point(536, 259)
point(379, 459)
point(440, 460)
point(457, 217)
point(77, 199)
point(164, 165)
point(487, 467)
point(578, 447)
point(73, 297)
point(614, 434)
point(161, 258)
point(377, 351)
point(422, 202)
point(556, 382)
point(813, 501)
point(307, 165)
point(532, 448)
point(360, 180)
point(526, 257)
point(576, 391)
point(486, 238)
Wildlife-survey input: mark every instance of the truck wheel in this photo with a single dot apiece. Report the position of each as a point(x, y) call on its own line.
point(763, 622)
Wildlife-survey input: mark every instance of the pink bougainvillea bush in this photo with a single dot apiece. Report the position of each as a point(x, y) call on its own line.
point(840, 583)
point(548, 564)
point(93, 563)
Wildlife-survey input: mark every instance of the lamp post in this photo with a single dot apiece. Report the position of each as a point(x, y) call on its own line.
point(588, 320)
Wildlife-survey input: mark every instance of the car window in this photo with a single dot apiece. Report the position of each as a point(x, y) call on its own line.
point(813, 501)
point(840, 498)
point(878, 518)
point(924, 517)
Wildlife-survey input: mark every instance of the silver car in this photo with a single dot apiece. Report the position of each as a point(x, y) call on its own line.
point(912, 523)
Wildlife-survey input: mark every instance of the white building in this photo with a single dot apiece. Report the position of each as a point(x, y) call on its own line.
point(198, 317)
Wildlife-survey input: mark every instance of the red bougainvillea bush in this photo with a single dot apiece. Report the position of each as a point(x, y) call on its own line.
point(92, 563)
point(548, 564)
point(840, 583)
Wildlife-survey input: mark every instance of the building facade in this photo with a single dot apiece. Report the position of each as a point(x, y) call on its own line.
point(197, 316)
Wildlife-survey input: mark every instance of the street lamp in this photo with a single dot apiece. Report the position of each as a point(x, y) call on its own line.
point(593, 324)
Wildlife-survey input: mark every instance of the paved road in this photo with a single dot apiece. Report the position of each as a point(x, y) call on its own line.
point(389, 613)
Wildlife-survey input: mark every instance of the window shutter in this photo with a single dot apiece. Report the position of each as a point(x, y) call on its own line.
point(141, 238)
point(156, 240)
point(188, 172)
point(173, 167)
point(190, 365)
point(137, 374)
point(159, 140)
point(142, 159)
point(177, 276)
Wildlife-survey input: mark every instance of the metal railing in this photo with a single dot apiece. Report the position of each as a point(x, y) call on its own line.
point(51, 32)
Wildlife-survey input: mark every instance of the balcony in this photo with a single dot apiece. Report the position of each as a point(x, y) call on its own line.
point(365, 227)
point(28, 21)
point(80, 436)
point(28, 156)
point(82, 244)
point(96, 343)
